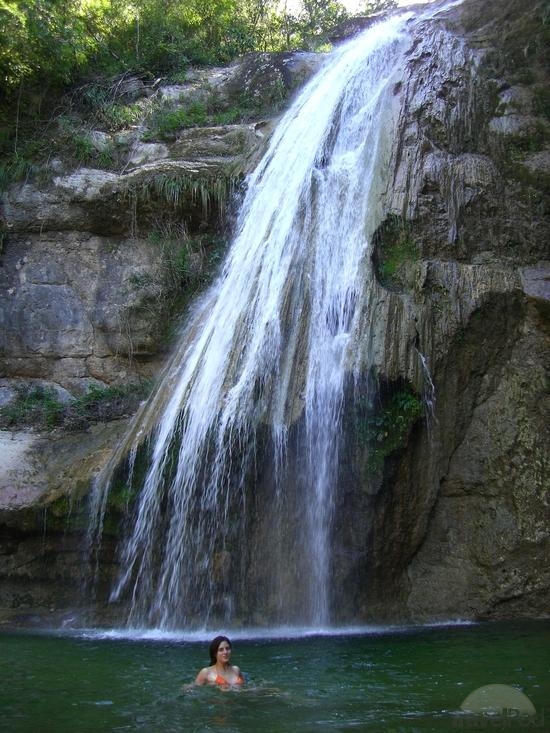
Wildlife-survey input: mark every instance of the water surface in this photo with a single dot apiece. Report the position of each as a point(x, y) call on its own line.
point(398, 679)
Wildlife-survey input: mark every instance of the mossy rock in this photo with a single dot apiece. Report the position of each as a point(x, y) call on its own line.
point(395, 254)
point(384, 425)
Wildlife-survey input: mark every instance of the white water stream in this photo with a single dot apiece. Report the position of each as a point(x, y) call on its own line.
point(268, 346)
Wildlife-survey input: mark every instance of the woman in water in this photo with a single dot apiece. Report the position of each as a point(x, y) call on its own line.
point(221, 672)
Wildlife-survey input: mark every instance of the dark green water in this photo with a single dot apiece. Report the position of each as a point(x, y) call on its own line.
point(393, 681)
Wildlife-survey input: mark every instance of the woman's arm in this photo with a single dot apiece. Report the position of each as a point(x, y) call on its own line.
point(202, 677)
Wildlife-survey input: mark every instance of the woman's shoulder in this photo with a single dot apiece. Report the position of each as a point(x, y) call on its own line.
point(204, 674)
point(237, 672)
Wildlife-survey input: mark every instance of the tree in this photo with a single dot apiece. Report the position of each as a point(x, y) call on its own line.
point(42, 39)
point(369, 7)
point(261, 23)
point(315, 20)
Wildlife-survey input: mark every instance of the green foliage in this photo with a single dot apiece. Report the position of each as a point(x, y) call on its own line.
point(83, 148)
point(34, 406)
point(48, 47)
point(174, 244)
point(188, 261)
point(40, 407)
point(120, 497)
point(167, 121)
point(73, 141)
point(118, 115)
point(179, 190)
point(101, 404)
point(56, 41)
point(368, 7)
point(15, 168)
point(541, 100)
point(43, 40)
point(317, 18)
point(103, 104)
point(395, 248)
point(387, 429)
point(65, 515)
point(21, 162)
point(46, 44)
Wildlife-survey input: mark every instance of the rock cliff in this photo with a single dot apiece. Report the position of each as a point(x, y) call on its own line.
point(454, 519)
point(459, 524)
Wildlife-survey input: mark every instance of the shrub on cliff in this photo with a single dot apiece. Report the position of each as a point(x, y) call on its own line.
point(40, 408)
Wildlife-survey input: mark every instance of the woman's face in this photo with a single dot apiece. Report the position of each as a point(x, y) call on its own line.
point(223, 654)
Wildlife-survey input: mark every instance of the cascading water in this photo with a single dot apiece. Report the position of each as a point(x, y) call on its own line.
point(265, 354)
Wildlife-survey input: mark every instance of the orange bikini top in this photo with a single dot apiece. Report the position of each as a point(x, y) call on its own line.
point(222, 681)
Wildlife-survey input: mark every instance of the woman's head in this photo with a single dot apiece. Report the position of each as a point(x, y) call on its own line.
point(213, 648)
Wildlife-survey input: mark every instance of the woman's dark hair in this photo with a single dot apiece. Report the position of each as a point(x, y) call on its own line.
point(213, 648)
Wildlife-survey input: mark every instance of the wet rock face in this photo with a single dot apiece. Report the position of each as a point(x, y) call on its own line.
point(483, 549)
point(268, 78)
point(71, 305)
point(476, 124)
point(460, 521)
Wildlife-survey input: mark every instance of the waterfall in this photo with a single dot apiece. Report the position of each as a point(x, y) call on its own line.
point(429, 396)
point(257, 380)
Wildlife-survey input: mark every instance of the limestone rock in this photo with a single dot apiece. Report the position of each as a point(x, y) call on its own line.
point(266, 76)
point(147, 153)
point(459, 524)
point(536, 281)
point(101, 141)
point(72, 299)
point(514, 125)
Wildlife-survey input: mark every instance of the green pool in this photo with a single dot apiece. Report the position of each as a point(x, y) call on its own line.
point(390, 680)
